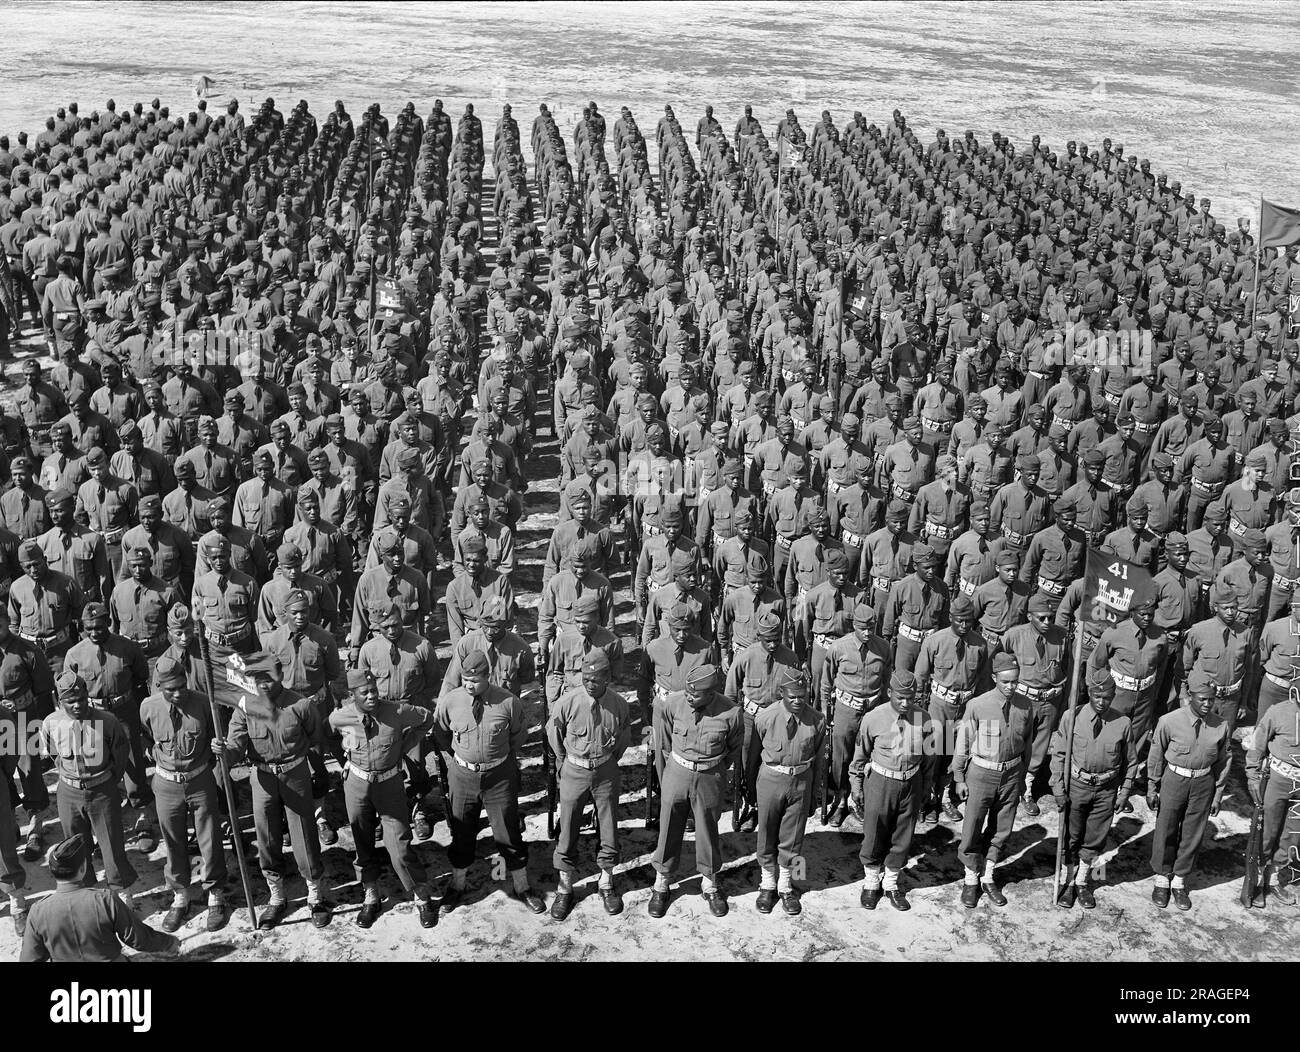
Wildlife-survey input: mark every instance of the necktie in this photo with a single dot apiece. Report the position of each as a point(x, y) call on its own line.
point(392, 586)
point(961, 649)
point(478, 709)
point(207, 459)
point(1040, 646)
point(63, 462)
point(27, 503)
point(1196, 729)
point(101, 493)
point(369, 724)
point(394, 655)
point(1097, 724)
point(311, 537)
point(791, 725)
point(577, 587)
point(66, 537)
point(222, 581)
point(138, 590)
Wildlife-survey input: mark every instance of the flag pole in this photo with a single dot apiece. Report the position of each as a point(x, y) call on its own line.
point(1259, 250)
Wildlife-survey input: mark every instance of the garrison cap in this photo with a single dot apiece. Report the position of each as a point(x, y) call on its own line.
point(961, 606)
point(69, 686)
point(169, 673)
point(359, 679)
point(297, 600)
point(494, 610)
point(1254, 539)
point(178, 616)
point(1042, 603)
point(836, 560)
point(215, 542)
point(1162, 460)
point(288, 554)
point(680, 616)
point(1064, 504)
point(1003, 661)
point(94, 612)
point(96, 457)
point(1094, 458)
point(596, 663)
point(769, 626)
point(757, 569)
point(793, 682)
point(1028, 462)
point(584, 606)
point(59, 497)
point(1137, 505)
point(702, 676)
point(260, 663)
point(1005, 557)
point(65, 857)
point(1175, 540)
point(902, 682)
point(897, 511)
point(864, 615)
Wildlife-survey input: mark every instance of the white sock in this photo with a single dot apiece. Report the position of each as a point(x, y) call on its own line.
point(17, 901)
point(275, 884)
point(785, 884)
point(566, 881)
point(215, 898)
point(766, 879)
point(1178, 882)
point(1081, 878)
point(891, 879)
point(871, 877)
point(661, 882)
point(606, 878)
point(180, 899)
point(372, 893)
point(1162, 881)
point(706, 884)
point(971, 876)
point(989, 865)
point(314, 890)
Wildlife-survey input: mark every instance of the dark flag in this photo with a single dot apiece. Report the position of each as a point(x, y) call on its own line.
point(1278, 226)
point(1110, 588)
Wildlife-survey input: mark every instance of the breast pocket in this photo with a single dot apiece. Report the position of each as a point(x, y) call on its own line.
point(463, 728)
point(712, 741)
point(238, 604)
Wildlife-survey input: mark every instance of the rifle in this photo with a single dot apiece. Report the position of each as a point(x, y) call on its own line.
point(1255, 844)
point(737, 792)
point(1063, 818)
point(650, 779)
point(548, 757)
point(236, 838)
point(823, 779)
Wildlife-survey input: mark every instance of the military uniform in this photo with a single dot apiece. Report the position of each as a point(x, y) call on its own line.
point(1276, 743)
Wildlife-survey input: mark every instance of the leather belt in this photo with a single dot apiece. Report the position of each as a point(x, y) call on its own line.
point(790, 771)
point(937, 529)
point(1091, 777)
point(278, 769)
point(703, 767)
point(931, 424)
point(916, 635)
point(903, 493)
point(1278, 680)
point(86, 783)
point(898, 776)
point(1060, 421)
point(1146, 429)
point(1206, 487)
point(1055, 588)
point(854, 540)
point(881, 584)
point(374, 776)
point(752, 708)
point(226, 639)
point(996, 765)
point(479, 768)
point(181, 777)
point(50, 639)
point(114, 536)
point(1285, 769)
point(1037, 693)
point(587, 765)
point(857, 702)
point(1013, 536)
point(1187, 772)
point(950, 695)
point(782, 541)
point(823, 640)
point(967, 587)
point(1222, 690)
point(1130, 683)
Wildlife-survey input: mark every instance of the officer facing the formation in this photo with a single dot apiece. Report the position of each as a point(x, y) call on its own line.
point(81, 923)
point(589, 730)
point(791, 737)
point(888, 777)
point(1102, 766)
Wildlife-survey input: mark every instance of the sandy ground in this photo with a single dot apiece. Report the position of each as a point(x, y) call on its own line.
point(491, 926)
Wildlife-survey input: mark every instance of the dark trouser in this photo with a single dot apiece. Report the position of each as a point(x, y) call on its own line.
point(906, 651)
point(1269, 695)
point(97, 813)
point(175, 801)
point(1043, 718)
point(1092, 808)
point(135, 781)
point(889, 807)
point(277, 798)
point(1281, 826)
point(12, 873)
point(855, 561)
point(497, 792)
point(577, 786)
point(782, 816)
point(1140, 708)
point(383, 802)
point(1180, 823)
point(31, 790)
point(751, 751)
point(844, 739)
point(1197, 501)
point(944, 717)
point(685, 793)
point(990, 814)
